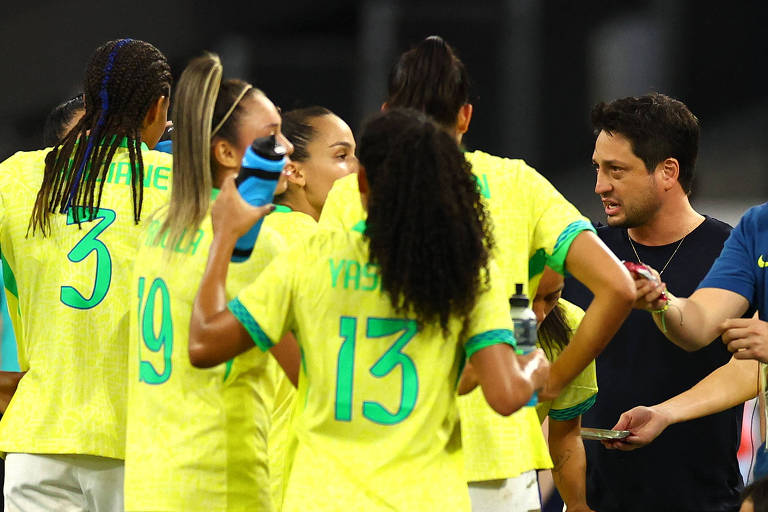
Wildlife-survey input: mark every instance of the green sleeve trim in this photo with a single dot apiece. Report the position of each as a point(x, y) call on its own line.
point(488, 338)
point(359, 227)
point(228, 369)
point(536, 263)
point(259, 337)
point(557, 260)
point(281, 208)
point(9, 279)
point(573, 412)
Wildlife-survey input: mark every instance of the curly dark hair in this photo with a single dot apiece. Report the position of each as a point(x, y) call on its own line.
point(428, 229)
point(430, 78)
point(657, 126)
point(122, 80)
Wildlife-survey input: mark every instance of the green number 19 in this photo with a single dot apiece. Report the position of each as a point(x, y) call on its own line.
point(393, 357)
point(155, 341)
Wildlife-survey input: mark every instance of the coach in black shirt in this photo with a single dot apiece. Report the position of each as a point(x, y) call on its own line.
point(644, 157)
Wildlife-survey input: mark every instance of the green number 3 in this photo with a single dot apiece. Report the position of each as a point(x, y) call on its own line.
point(155, 341)
point(393, 357)
point(89, 243)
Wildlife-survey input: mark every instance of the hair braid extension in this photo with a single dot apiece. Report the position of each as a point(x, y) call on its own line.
point(427, 227)
point(122, 81)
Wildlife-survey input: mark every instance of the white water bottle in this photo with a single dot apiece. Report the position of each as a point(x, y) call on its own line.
point(524, 320)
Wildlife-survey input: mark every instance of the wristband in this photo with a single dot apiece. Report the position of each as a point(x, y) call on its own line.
point(662, 311)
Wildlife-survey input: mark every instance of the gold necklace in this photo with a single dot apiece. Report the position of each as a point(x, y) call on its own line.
point(670, 258)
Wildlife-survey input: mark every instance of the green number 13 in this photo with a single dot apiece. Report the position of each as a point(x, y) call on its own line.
point(153, 340)
point(393, 357)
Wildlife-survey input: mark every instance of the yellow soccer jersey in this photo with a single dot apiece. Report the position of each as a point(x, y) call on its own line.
point(196, 438)
point(376, 424)
point(578, 396)
point(534, 226)
point(293, 226)
point(68, 295)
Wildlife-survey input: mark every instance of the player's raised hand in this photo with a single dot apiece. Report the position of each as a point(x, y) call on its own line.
point(231, 215)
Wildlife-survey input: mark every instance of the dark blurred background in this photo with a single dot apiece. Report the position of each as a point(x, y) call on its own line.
point(537, 67)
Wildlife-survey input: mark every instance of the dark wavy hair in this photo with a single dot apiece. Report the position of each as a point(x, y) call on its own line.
point(122, 81)
point(432, 79)
point(427, 228)
point(554, 331)
point(657, 126)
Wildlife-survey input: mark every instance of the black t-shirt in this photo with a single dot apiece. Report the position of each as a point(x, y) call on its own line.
point(691, 466)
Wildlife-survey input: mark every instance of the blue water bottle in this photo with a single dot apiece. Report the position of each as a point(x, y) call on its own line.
point(524, 320)
point(165, 144)
point(262, 164)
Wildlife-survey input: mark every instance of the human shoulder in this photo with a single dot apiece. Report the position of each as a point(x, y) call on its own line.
point(611, 235)
point(712, 226)
point(573, 313)
point(486, 163)
point(23, 164)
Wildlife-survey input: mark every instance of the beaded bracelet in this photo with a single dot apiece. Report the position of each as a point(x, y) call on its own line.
point(662, 312)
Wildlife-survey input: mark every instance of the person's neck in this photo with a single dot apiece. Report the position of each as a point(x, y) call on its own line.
point(673, 221)
point(219, 174)
point(298, 203)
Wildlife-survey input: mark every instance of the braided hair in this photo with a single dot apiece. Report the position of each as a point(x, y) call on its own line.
point(122, 81)
point(427, 228)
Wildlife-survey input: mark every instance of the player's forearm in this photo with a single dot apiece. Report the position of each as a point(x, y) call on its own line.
point(730, 385)
point(570, 463)
point(211, 301)
point(592, 263)
point(601, 321)
point(685, 323)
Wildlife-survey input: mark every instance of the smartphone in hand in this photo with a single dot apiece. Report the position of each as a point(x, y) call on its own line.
point(602, 434)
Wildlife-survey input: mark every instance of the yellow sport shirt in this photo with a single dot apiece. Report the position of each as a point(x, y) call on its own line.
point(293, 226)
point(376, 423)
point(533, 226)
point(580, 394)
point(68, 295)
point(196, 438)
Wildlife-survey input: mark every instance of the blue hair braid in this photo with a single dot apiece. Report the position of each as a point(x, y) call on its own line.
point(104, 96)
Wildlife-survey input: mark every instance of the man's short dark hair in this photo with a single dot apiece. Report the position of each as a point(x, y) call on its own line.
point(657, 126)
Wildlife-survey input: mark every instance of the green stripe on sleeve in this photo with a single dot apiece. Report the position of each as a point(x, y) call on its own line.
point(557, 260)
point(9, 279)
point(573, 412)
point(488, 338)
point(536, 263)
point(259, 337)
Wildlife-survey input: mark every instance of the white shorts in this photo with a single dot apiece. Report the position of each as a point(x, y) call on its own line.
point(65, 483)
point(518, 494)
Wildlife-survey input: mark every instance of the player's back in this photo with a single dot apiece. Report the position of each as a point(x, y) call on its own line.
point(385, 435)
point(201, 433)
point(71, 307)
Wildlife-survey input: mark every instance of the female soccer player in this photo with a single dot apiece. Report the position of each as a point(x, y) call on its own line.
point(384, 315)
point(533, 225)
point(69, 228)
point(324, 150)
point(200, 434)
point(558, 319)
